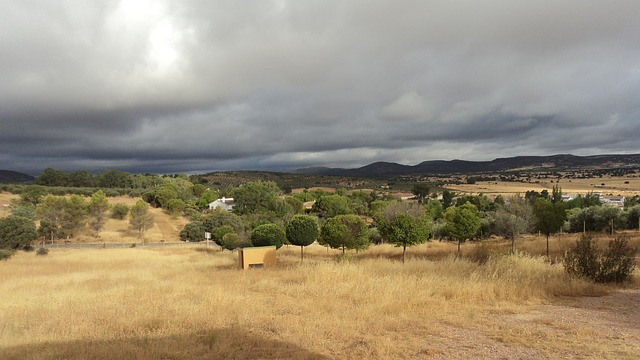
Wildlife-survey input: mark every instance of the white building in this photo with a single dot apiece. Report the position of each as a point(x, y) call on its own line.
point(617, 201)
point(223, 203)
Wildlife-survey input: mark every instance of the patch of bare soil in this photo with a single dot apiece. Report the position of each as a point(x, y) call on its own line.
point(606, 327)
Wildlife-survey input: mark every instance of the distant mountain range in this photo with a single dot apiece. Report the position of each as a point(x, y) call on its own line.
point(14, 177)
point(561, 162)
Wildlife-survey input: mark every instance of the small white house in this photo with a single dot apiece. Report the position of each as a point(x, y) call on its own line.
point(223, 203)
point(617, 201)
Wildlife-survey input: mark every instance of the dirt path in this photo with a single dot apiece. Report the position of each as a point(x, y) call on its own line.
point(606, 327)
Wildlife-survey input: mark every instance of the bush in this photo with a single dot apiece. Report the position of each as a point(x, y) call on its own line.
point(5, 254)
point(192, 232)
point(268, 234)
point(616, 264)
point(42, 251)
point(119, 211)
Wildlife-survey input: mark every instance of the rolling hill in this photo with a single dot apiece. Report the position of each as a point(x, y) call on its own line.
point(14, 177)
point(560, 162)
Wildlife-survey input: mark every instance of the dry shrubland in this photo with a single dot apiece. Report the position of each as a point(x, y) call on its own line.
point(191, 302)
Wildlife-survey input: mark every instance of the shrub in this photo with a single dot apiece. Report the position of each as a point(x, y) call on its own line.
point(616, 264)
point(231, 241)
point(5, 254)
point(192, 232)
point(268, 234)
point(119, 211)
point(42, 251)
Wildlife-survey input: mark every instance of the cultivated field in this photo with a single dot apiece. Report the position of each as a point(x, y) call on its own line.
point(627, 186)
point(191, 302)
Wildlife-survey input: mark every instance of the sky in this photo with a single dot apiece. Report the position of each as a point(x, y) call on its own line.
point(195, 86)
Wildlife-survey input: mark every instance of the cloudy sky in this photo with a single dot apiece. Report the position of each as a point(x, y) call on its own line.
point(201, 85)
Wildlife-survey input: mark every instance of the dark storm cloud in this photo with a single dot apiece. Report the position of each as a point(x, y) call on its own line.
point(160, 86)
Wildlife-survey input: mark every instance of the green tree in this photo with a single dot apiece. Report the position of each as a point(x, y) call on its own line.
point(447, 198)
point(515, 217)
point(114, 179)
point(51, 177)
point(345, 232)
point(218, 233)
point(462, 222)
point(403, 224)
point(549, 217)
point(98, 207)
point(268, 234)
point(217, 218)
point(74, 215)
point(140, 218)
point(406, 230)
point(331, 205)
point(51, 212)
point(175, 207)
point(207, 197)
point(192, 232)
point(231, 241)
point(556, 194)
point(24, 210)
point(16, 232)
point(80, 179)
point(119, 211)
point(421, 191)
point(33, 194)
point(198, 190)
point(302, 230)
point(257, 196)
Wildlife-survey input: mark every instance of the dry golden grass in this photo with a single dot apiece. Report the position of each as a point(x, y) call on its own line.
point(5, 201)
point(191, 302)
point(613, 185)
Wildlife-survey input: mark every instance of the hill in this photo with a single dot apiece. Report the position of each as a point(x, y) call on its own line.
point(14, 177)
point(562, 162)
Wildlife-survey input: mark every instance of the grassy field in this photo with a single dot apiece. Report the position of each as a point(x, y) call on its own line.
point(627, 186)
point(165, 228)
point(191, 302)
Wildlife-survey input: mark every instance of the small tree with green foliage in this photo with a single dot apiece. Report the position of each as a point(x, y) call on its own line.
point(331, 205)
point(302, 230)
point(119, 211)
point(16, 232)
point(218, 233)
point(462, 222)
point(345, 232)
point(231, 241)
point(407, 230)
point(549, 217)
point(98, 207)
point(192, 232)
point(421, 191)
point(268, 234)
point(140, 218)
